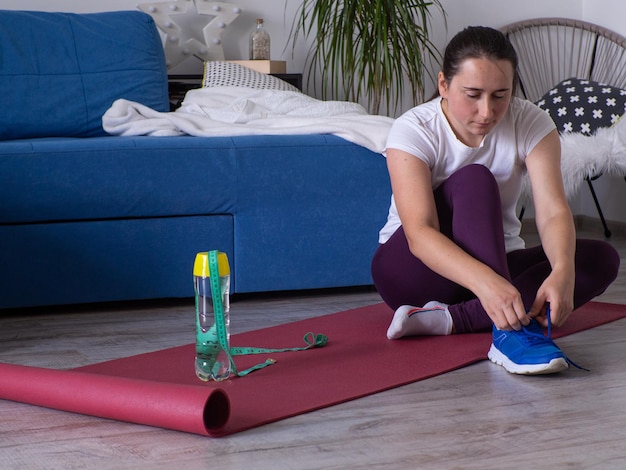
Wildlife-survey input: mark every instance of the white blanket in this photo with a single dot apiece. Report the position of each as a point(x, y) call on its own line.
point(234, 111)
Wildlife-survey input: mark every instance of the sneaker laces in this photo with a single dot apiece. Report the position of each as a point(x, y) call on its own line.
point(533, 337)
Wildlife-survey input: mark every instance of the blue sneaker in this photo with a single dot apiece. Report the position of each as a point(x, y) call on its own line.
point(527, 351)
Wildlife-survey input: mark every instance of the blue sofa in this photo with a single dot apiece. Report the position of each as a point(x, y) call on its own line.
point(88, 217)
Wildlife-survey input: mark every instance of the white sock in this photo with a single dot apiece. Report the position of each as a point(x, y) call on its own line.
point(431, 319)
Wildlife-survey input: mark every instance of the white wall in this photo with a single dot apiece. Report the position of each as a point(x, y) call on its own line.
point(278, 15)
point(608, 13)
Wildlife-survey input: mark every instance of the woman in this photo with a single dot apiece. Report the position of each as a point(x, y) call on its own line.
point(451, 259)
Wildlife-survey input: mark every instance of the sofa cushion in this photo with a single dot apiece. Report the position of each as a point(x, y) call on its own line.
point(59, 72)
point(310, 213)
point(67, 178)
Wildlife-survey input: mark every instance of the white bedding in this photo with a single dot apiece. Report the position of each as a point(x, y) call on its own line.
point(234, 111)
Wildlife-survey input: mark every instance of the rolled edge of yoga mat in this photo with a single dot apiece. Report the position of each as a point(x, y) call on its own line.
point(195, 409)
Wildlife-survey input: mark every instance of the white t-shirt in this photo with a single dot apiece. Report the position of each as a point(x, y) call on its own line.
point(425, 133)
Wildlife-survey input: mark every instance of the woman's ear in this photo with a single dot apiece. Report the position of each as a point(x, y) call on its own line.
point(442, 85)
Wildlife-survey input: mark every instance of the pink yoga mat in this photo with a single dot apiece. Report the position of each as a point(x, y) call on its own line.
point(160, 389)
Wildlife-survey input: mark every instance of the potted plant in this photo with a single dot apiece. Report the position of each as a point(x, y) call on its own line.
point(368, 48)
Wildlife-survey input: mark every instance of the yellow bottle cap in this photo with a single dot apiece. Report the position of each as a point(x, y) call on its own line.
point(201, 264)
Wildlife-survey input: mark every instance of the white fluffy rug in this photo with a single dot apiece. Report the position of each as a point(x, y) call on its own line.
point(587, 156)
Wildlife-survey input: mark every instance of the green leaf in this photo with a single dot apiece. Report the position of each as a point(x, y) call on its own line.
point(368, 48)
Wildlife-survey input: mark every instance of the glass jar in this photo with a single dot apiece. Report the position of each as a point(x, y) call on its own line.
point(259, 42)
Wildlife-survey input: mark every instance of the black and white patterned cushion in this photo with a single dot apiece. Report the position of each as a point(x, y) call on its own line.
point(222, 73)
point(583, 106)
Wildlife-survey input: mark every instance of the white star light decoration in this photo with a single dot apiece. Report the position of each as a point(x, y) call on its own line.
point(179, 41)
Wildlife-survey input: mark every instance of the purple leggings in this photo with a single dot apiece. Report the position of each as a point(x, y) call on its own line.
point(470, 213)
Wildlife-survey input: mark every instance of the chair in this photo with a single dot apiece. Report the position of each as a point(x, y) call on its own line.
point(551, 50)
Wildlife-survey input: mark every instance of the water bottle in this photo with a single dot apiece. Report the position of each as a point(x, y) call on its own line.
point(212, 361)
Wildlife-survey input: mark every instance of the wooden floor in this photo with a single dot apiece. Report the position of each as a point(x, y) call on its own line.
point(477, 417)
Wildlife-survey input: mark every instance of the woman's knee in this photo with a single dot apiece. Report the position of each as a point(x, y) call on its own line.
point(599, 258)
point(475, 174)
point(473, 183)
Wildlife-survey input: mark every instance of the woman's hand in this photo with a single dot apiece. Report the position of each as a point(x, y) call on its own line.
point(502, 302)
point(557, 291)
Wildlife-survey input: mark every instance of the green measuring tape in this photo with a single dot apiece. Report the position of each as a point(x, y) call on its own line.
point(311, 340)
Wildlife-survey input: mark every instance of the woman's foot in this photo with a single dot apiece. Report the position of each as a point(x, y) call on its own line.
point(431, 319)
